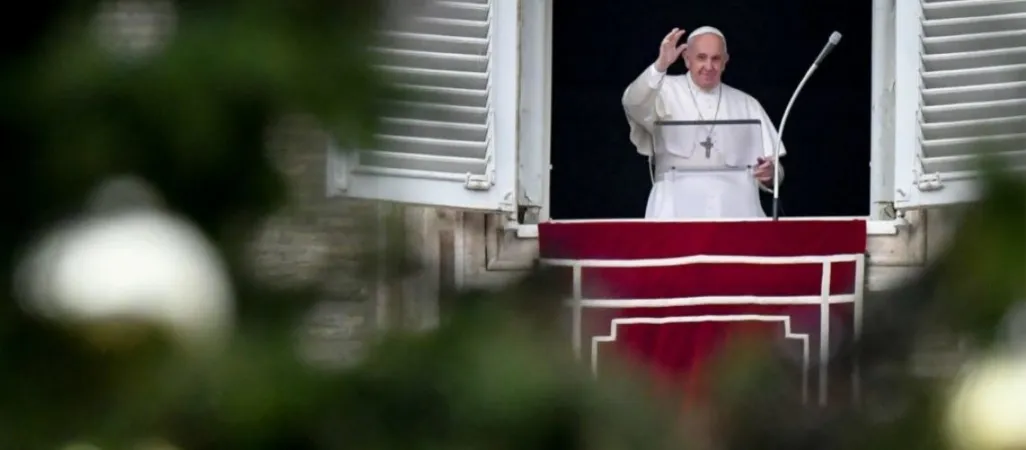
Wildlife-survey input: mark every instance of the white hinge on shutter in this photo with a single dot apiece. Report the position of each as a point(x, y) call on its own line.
point(441, 142)
point(971, 91)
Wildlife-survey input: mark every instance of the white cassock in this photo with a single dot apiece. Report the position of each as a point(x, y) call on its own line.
point(677, 191)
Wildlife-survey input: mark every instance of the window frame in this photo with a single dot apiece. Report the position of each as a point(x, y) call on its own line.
point(535, 107)
point(536, 101)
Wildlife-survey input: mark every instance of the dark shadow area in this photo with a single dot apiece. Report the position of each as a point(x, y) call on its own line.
point(600, 46)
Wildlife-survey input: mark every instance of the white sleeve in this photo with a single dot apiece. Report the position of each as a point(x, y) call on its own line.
point(639, 99)
point(769, 140)
point(769, 132)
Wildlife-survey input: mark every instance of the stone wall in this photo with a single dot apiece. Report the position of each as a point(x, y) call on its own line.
point(323, 241)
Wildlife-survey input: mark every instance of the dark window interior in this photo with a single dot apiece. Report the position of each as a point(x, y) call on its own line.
point(600, 46)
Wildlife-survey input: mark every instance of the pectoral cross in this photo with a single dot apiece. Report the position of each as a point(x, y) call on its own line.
point(708, 144)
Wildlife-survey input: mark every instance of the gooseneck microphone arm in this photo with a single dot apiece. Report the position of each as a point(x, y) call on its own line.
point(835, 38)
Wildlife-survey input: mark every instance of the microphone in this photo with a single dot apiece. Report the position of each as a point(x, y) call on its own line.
point(832, 42)
point(835, 38)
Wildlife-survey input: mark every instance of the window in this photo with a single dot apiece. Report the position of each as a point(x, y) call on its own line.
point(958, 89)
point(477, 135)
point(450, 141)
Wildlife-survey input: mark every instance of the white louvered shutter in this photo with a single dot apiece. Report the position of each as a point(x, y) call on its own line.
point(450, 139)
point(960, 90)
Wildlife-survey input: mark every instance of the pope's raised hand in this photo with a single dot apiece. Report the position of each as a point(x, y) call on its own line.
point(669, 50)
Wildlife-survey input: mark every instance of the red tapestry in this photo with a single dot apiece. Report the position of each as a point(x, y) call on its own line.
point(669, 295)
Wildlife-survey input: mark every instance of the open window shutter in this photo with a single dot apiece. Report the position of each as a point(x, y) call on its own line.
point(450, 139)
point(960, 91)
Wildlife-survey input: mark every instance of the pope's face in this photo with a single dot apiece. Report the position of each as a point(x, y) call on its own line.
point(706, 59)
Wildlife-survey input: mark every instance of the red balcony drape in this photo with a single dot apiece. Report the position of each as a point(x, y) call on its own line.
point(673, 318)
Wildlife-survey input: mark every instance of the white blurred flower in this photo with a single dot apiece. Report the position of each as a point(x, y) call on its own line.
point(135, 28)
point(133, 265)
point(988, 409)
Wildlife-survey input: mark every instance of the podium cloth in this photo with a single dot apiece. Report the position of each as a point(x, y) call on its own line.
point(670, 295)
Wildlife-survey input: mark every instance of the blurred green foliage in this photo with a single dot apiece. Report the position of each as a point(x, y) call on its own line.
point(189, 112)
point(184, 100)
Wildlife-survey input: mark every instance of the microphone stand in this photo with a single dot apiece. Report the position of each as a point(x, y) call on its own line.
point(780, 138)
point(835, 38)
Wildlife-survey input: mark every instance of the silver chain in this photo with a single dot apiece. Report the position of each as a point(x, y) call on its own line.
point(698, 109)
